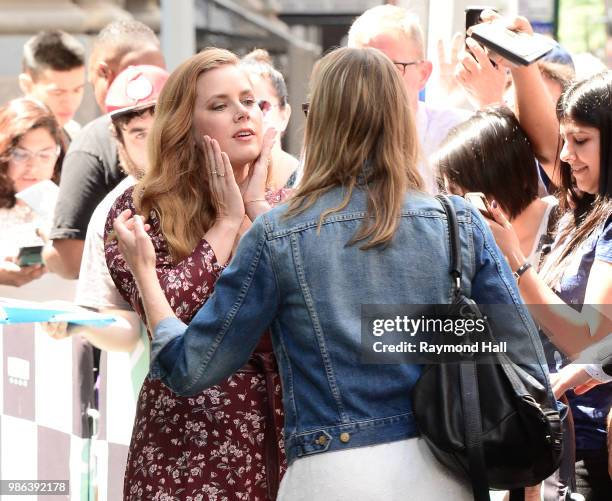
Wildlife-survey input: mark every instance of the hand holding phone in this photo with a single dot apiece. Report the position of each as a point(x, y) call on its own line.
point(478, 200)
point(14, 275)
point(30, 256)
point(472, 15)
point(519, 48)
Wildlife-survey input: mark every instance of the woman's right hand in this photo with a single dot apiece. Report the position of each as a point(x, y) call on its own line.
point(13, 274)
point(135, 245)
point(225, 190)
point(519, 24)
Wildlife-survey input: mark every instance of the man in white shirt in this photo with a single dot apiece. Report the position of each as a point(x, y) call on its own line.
point(397, 33)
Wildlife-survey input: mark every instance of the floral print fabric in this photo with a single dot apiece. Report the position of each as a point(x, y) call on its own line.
point(210, 447)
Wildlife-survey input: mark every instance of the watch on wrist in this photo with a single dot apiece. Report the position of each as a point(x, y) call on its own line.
point(521, 270)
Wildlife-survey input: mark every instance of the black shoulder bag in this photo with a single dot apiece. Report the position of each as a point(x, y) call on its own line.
point(492, 423)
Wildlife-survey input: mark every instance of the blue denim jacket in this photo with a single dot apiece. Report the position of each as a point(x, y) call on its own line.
point(308, 287)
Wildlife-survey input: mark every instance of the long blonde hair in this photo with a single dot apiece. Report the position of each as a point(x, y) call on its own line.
point(176, 185)
point(359, 131)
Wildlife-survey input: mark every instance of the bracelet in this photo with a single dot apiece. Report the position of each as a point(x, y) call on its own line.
point(522, 269)
point(256, 200)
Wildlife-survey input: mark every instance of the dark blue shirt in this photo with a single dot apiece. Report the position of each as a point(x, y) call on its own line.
point(589, 410)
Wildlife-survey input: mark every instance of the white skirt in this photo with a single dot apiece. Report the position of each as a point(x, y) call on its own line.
point(405, 470)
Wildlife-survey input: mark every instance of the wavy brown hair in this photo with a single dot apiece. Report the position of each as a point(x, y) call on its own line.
point(176, 185)
point(360, 133)
point(17, 118)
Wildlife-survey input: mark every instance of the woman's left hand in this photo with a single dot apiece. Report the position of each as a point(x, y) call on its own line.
point(254, 188)
point(134, 244)
point(505, 236)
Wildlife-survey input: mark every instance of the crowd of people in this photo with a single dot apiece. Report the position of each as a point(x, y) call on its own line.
point(179, 213)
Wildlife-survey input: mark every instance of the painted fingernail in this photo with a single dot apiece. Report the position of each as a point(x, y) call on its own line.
point(494, 204)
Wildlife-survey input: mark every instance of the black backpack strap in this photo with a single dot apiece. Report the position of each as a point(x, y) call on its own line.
point(470, 400)
point(472, 421)
point(454, 241)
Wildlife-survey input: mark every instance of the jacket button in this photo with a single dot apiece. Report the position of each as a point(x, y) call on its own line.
point(345, 437)
point(322, 440)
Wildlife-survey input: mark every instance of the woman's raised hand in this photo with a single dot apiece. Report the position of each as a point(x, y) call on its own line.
point(505, 236)
point(254, 193)
point(134, 244)
point(223, 185)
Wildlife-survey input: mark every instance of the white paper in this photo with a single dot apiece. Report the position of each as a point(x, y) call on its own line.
point(41, 197)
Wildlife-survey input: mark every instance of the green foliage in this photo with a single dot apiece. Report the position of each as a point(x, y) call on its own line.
point(582, 25)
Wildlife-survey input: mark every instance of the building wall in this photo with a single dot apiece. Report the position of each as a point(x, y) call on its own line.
point(83, 18)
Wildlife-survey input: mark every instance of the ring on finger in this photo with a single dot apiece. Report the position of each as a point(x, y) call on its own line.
point(221, 174)
point(214, 172)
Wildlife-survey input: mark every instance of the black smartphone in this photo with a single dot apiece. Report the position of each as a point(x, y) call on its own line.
point(478, 200)
point(519, 48)
point(30, 256)
point(472, 15)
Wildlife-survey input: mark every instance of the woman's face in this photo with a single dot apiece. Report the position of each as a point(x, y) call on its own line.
point(226, 110)
point(273, 114)
point(581, 151)
point(33, 159)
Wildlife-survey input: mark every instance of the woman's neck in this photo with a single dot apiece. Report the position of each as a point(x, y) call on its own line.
point(283, 165)
point(241, 172)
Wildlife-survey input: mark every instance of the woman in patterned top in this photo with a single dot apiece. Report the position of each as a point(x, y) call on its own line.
point(224, 443)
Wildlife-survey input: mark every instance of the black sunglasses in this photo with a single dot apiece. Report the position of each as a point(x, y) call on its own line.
point(266, 106)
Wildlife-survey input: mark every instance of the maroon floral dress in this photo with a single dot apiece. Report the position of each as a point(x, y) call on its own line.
point(217, 445)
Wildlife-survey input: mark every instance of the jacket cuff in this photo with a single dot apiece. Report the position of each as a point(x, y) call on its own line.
point(164, 333)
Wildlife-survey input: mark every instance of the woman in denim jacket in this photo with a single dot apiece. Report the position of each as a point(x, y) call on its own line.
point(358, 231)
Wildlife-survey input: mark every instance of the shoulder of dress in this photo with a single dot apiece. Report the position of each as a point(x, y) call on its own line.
point(124, 201)
point(275, 197)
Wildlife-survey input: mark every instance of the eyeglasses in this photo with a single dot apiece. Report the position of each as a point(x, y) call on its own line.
point(46, 157)
point(402, 66)
point(305, 107)
point(266, 106)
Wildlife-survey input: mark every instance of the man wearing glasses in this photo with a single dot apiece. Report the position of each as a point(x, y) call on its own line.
point(396, 32)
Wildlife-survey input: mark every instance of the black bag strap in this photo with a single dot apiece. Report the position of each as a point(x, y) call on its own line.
point(453, 235)
point(470, 400)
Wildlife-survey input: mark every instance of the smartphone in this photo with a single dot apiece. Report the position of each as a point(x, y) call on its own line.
point(519, 48)
point(479, 201)
point(30, 256)
point(472, 15)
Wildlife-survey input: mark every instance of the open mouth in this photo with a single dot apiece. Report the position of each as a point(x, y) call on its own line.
point(244, 134)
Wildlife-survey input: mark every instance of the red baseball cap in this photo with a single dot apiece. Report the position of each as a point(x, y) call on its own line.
point(135, 88)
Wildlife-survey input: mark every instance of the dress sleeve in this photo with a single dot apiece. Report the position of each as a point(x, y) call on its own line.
point(186, 284)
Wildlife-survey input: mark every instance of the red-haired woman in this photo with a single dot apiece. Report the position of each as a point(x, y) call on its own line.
point(225, 442)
